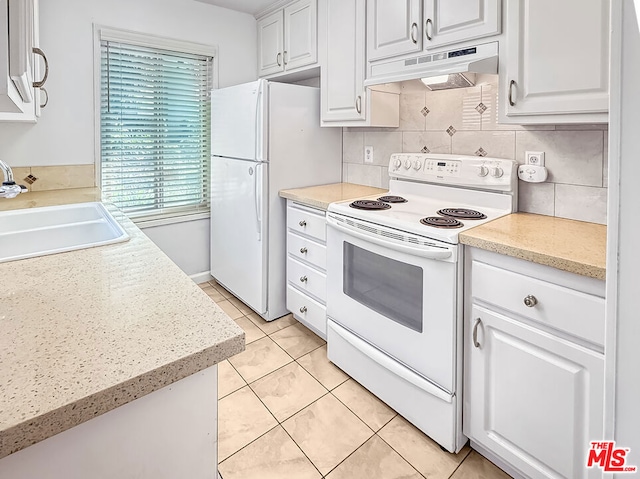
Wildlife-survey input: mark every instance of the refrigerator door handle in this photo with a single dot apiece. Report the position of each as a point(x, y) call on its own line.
point(258, 124)
point(257, 189)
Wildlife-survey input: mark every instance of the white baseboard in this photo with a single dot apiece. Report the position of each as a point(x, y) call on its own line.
point(201, 277)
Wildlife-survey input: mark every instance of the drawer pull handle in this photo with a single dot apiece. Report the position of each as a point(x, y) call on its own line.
point(303, 279)
point(475, 333)
point(530, 301)
point(303, 309)
point(512, 102)
point(303, 250)
point(303, 223)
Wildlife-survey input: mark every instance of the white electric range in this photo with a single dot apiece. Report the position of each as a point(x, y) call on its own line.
point(394, 282)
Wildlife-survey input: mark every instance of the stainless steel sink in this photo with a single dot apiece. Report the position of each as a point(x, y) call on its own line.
point(55, 229)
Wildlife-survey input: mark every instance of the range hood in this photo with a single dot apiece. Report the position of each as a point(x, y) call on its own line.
point(448, 65)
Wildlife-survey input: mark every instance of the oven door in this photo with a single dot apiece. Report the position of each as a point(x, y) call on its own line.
point(398, 295)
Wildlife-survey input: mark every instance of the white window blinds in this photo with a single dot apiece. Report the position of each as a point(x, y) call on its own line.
point(155, 129)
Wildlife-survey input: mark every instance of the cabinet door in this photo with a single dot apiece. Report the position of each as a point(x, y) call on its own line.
point(531, 398)
point(455, 21)
point(300, 34)
point(557, 58)
point(342, 75)
point(393, 28)
point(270, 44)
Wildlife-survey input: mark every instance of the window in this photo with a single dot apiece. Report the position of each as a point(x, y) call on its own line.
point(154, 125)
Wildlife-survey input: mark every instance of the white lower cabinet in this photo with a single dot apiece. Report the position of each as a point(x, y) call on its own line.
point(533, 388)
point(306, 266)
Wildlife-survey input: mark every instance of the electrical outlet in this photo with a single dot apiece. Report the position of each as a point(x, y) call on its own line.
point(535, 158)
point(368, 154)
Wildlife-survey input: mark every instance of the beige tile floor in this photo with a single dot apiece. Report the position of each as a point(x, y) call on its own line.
point(286, 412)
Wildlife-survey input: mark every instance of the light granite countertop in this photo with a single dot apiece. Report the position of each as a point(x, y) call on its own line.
point(84, 332)
point(575, 246)
point(321, 196)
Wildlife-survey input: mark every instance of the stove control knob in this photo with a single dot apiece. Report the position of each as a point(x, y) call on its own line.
point(407, 164)
point(483, 171)
point(497, 172)
point(396, 163)
point(417, 165)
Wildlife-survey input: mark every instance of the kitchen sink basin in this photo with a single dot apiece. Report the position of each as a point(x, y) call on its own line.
point(55, 229)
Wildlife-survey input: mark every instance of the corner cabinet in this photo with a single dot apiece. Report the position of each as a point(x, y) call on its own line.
point(344, 99)
point(306, 266)
point(287, 39)
point(555, 62)
point(22, 93)
point(534, 366)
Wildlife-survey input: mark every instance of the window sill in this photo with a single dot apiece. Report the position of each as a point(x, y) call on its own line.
point(143, 223)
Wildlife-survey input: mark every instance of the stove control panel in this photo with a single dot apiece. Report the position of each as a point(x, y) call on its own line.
point(459, 170)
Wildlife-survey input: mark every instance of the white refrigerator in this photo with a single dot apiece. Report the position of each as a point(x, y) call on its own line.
point(265, 136)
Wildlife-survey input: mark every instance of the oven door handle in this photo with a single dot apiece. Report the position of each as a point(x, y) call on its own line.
point(391, 365)
point(426, 252)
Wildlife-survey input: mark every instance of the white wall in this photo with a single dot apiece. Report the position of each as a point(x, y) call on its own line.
point(623, 236)
point(65, 133)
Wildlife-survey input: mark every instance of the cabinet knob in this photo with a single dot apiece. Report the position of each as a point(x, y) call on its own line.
point(303, 279)
point(303, 309)
point(303, 223)
point(303, 250)
point(530, 301)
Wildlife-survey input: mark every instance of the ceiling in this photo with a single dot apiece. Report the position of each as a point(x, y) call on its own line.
point(247, 6)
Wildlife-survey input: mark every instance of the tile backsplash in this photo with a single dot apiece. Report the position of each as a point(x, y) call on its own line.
point(45, 178)
point(464, 121)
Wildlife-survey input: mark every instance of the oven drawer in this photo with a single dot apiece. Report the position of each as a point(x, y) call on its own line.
point(308, 311)
point(564, 309)
point(307, 222)
point(307, 279)
point(306, 250)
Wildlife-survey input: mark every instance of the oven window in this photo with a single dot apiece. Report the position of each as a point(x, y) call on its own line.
point(387, 286)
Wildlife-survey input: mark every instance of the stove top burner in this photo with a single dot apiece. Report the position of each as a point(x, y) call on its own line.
point(441, 222)
point(462, 213)
point(369, 205)
point(392, 199)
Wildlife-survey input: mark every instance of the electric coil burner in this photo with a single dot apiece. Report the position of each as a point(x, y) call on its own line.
point(441, 222)
point(462, 213)
point(392, 199)
point(369, 205)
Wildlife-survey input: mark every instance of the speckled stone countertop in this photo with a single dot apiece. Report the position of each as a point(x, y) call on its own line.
point(574, 246)
point(84, 332)
point(321, 196)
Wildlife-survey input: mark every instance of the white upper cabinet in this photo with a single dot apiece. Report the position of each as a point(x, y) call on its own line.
point(344, 99)
point(287, 38)
point(453, 21)
point(270, 44)
point(23, 67)
point(300, 34)
point(393, 28)
point(555, 62)
point(342, 73)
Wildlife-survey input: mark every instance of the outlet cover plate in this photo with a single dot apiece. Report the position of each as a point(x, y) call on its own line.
point(368, 154)
point(535, 158)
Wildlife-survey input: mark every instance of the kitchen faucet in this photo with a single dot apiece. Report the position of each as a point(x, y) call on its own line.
point(9, 189)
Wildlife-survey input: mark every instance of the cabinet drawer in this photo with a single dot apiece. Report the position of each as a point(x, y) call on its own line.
point(307, 279)
point(303, 248)
point(558, 307)
point(308, 311)
point(307, 222)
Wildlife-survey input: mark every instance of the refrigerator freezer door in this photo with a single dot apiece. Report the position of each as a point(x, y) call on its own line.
point(238, 229)
point(237, 121)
